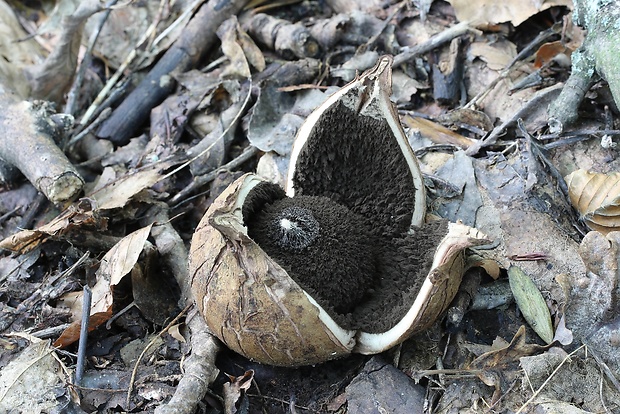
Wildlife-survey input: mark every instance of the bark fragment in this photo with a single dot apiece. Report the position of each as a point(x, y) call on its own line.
point(287, 39)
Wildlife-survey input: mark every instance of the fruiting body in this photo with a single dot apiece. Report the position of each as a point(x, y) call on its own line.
point(340, 262)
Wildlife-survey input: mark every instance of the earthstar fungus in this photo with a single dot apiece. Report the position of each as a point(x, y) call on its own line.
point(340, 260)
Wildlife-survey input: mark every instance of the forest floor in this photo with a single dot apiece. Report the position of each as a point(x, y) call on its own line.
point(122, 125)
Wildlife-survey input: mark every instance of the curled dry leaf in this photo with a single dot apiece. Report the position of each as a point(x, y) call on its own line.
point(235, 391)
point(500, 365)
point(437, 133)
point(596, 197)
point(116, 191)
point(78, 215)
point(116, 263)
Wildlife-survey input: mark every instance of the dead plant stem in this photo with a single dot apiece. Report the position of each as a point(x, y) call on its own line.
point(134, 372)
point(555, 371)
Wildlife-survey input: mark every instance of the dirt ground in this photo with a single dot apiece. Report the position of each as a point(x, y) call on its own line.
point(123, 122)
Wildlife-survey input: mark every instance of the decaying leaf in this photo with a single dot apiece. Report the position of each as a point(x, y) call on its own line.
point(77, 215)
point(489, 11)
point(240, 49)
point(28, 383)
point(117, 192)
point(117, 263)
point(495, 365)
point(235, 400)
point(23, 52)
point(435, 132)
point(531, 303)
point(596, 197)
point(52, 79)
point(72, 333)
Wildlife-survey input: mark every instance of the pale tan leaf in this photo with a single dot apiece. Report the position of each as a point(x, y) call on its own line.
point(23, 51)
point(117, 263)
point(491, 11)
point(52, 79)
point(437, 133)
point(117, 193)
point(228, 34)
point(27, 381)
point(596, 197)
point(175, 332)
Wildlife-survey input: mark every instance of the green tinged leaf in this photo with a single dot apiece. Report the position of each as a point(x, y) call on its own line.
point(531, 302)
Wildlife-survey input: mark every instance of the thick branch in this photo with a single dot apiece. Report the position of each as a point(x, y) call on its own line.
point(563, 111)
point(27, 144)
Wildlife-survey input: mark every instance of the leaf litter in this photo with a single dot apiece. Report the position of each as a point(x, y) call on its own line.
point(253, 90)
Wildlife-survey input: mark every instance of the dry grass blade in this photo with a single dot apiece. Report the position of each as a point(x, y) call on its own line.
point(596, 197)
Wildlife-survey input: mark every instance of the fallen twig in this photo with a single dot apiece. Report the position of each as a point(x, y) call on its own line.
point(81, 356)
point(27, 144)
point(196, 39)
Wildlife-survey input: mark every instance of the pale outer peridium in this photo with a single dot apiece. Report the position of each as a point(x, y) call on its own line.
point(378, 105)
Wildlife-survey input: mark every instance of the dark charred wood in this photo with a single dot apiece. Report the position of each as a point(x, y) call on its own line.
point(186, 53)
point(448, 75)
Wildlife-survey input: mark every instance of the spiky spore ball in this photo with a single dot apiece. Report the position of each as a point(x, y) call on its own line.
point(294, 228)
point(325, 247)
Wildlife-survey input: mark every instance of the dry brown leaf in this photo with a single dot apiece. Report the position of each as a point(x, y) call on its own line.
point(27, 381)
point(22, 51)
point(72, 333)
point(72, 302)
point(491, 11)
point(76, 216)
point(439, 134)
point(234, 392)
point(240, 49)
point(175, 332)
point(490, 266)
point(118, 191)
point(506, 356)
point(596, 197)
point(550, 51)
point(117, 263)
point(494, 366)
point(497, 55)
point(53, 78)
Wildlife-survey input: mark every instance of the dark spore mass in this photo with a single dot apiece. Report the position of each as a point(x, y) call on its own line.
point(325, 247)
point(356, 161)
point(364, 280)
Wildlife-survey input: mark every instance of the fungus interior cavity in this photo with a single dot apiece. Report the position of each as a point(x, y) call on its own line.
point(363, 279)
point(356, 161)
point(366, 264)
point(325, 247)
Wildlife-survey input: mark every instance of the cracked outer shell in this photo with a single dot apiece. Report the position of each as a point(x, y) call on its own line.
point(254, 307)
point(435, 295)
point(248, 301)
